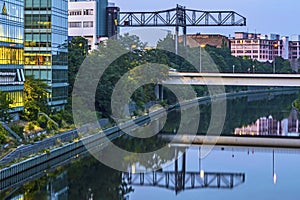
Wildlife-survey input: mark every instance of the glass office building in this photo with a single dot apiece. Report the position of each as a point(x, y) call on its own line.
point(46, 46)
point(11, 51)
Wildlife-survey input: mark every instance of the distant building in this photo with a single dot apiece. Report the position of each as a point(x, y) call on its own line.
point(265, 47)
point(46, 47)
point(256, 46)
point(294, 47)
point(216, 40)
point(112, 14)
point(12, 52)
point(92, 19)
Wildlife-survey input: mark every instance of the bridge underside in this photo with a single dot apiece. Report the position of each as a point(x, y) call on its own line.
point(289, 80)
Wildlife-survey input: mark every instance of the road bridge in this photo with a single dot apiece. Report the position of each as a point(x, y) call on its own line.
point(236, 79)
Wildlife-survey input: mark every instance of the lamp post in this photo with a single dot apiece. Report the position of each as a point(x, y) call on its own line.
point(275, 46)
point(200, 59)
point(274, 66)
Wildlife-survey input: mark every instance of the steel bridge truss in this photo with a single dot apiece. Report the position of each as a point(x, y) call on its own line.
point(181, 17)
point(179, 181)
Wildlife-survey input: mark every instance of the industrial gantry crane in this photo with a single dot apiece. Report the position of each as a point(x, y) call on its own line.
point(181, 17)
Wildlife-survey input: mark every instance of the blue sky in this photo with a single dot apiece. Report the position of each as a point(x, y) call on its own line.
point(263, 16)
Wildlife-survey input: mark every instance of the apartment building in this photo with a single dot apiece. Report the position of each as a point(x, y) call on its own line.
point(258, 47)
point(87, 18)
point(46, 46)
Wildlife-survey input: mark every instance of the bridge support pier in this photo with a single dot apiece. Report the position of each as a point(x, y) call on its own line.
point(159, 92)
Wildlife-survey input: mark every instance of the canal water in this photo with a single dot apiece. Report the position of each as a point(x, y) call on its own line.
point(224, 173)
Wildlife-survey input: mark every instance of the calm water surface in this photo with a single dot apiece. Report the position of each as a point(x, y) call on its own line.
point(256, 163)
point(269, 173)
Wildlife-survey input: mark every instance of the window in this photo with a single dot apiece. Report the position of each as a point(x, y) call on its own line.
point(11, 55)
point(37, 59)
point(88, 24)
point(74, 24)
point(88, 12)
point(59, 93)
point(59, 76)
point(75, 12)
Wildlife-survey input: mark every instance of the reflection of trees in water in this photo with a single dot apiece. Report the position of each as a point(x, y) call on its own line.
point(84, 178)
point(240, 111)
point(90, 175)
point(154, 160)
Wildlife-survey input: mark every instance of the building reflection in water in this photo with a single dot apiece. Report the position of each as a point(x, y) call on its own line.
point(270, 126)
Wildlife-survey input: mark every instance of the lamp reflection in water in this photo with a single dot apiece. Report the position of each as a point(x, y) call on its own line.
point(274, 172)
point(200, 170)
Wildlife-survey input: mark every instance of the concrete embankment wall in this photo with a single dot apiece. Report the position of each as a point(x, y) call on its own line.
point(234, 141)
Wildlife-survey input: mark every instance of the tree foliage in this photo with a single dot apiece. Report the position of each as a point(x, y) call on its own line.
point(131, 42)
point(5, 102)
point(116, 59)
point(35, 98)
point(3, 134)
point(77, 52)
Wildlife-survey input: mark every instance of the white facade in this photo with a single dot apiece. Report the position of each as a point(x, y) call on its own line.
point(285, 47)
point(295, 38)
point(82, 21)
point(264, 47)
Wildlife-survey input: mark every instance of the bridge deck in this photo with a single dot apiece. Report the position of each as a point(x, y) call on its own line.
point(245, 79)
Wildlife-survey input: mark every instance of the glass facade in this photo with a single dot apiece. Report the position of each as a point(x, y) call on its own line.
point(12, 51)
point(46, 47)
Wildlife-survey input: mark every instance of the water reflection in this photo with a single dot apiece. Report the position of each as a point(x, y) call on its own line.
point(270, 126)
point(261, 166)
point(181, 178)
point(226, 173)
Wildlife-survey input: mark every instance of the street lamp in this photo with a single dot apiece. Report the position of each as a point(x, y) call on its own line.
point(275, 47)
point(200, 65)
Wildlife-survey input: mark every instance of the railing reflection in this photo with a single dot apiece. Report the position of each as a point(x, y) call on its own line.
point(179, 181)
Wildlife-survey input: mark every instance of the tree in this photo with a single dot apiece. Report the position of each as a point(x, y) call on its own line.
point(131, 42)
point(111, 61)
point(35, 98)
point(77, 52)
point(5, 101)
point(282, 65)
point(3, 134)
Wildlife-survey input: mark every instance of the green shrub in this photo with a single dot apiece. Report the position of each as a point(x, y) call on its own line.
point(42, 121)
point(18, 130)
